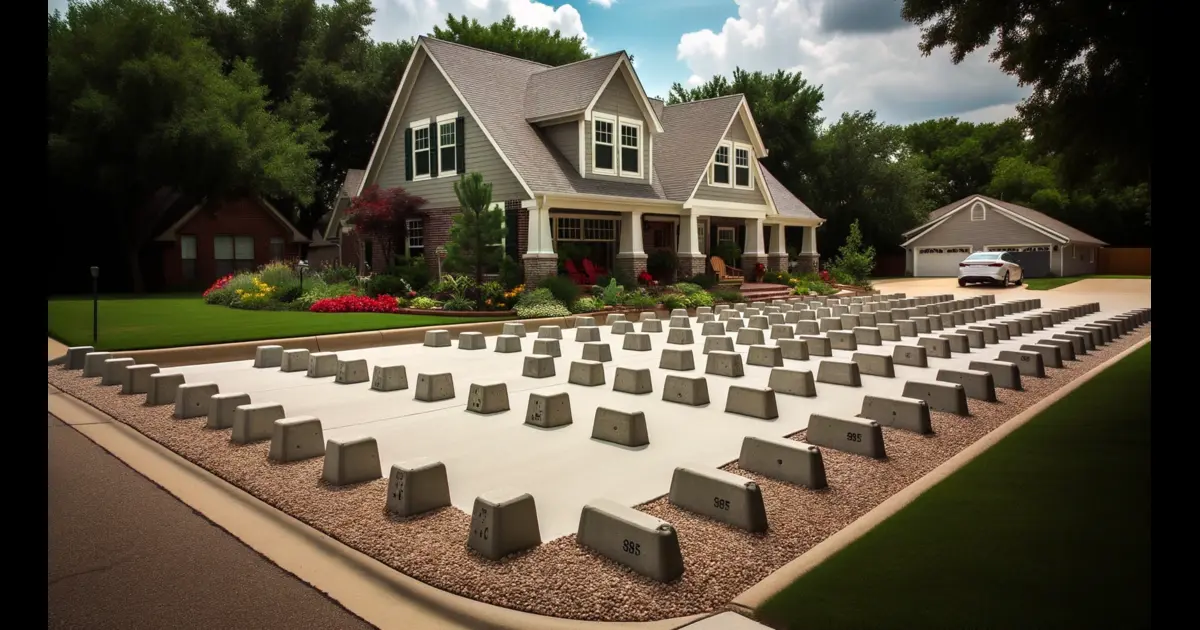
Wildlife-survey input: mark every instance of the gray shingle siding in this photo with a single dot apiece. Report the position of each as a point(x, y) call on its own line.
point(565, 138)
point(1078, 260)
point(996, 229)
point(736, 133)
point(431, 97)
point(618, 100)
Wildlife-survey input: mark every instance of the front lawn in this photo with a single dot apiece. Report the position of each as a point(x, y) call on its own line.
point(1045, 284)
point(168, 321)
point(1050, 528)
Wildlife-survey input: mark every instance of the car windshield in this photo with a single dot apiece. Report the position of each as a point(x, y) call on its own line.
point(981, 257)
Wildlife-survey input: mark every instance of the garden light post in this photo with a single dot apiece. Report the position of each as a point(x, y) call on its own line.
point(95, 303)
point(302, 265)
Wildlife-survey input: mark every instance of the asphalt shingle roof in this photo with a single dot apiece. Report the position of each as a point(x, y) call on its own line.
point(567, 89)
point(1050, 223)
point(786, 203)
point(691, 133)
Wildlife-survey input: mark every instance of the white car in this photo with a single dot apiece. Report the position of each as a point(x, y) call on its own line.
point(992, 267)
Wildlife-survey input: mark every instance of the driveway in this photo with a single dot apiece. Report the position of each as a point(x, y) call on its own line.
point(1111, 293)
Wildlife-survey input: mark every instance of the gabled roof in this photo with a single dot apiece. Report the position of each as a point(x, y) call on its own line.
point(352, 184)
point(693, 131)
point(1041, 222)
point(170, 233)
point(567, 90)
point(787, 204)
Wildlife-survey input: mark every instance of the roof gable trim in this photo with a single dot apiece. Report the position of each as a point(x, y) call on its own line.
point(643, 101)
point(1016, 218)
point(170, 233)
point(736, 113)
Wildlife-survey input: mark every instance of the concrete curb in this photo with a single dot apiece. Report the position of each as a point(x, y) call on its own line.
point(366, 587)
point(754, 597)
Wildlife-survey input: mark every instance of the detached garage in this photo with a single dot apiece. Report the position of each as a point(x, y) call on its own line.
point(1044, 246)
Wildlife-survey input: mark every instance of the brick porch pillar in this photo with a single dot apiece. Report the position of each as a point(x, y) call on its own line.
point(540, 261)
point(631, 255)
point(752, 251)
point(808, 261)
point(691, 260)
point(777, 258)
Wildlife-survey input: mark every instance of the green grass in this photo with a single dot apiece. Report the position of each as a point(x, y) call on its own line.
point(173, 320)
point(1050, 528)
point(1045, 284)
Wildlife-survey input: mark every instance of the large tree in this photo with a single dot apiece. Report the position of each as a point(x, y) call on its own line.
point(1088, 63)
point(961, 156)
point(476, 230)
point(505, 37)
point(137, 104)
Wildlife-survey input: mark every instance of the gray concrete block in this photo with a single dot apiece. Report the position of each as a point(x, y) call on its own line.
point(830, 323)
point(723, 363)
point(1095, 336)
point(889, 332)
point(960, 318)
point(909, 414)
point(792, 382)
point(883, 317)
point(322, 364)
point(653, 325)
point(680, 359)
point(719, 495)
point(782, 331)
point(352, 460)
point(626, 428)
point(767, 356)
point(582, 334)
point(294, 361)
point(352, 371)
point(712, 328)
point(807, 315)
point(750, 337)
point(268, 356)
point(958, 342)
point(503, 521)
point(1028, 363)
point(1051, 355)
point(646, 544)
point(725, 316)
point(1035, 322)
point(868, 320)
point(622, 327)
point(93, 364)
point(192, 399)
point(838, 310)
point(596, 352)
point(548, 347)
point(760, 322)
point(548, 410)
point(587, 373)
point(1046, 319)
point(549, 332)
point(756, 402)
point(613, 318)
point(1078, 345)
point(1026, 326)
point(850, 321)
point(680, 321)
point(437, 339)
point(1004, 373)
point(542, 365)
point(435, 387)
point(76, 357)
point(852, 435)
point(818, 345)
point(842, 340)
point(638, 342)
point(974, 337)
point(794, 349)
point(137, 378)
point(776, 319)
point(734, 325)
point(713, 344)
point(686, 390)
point(874, 364)
point(679, 312)
point(806, 327)
point(839, 372)
point(296, 439)
point(389, 378)
point(222, 408)
point(488, 398)
point(976, 383)
point(163, 388)
point(1106, 332)
point(633, 381)
point(420, 485)
point(588, 321)
point(475, 340)
point(1066, 349)
point(704, 310)
point(940, 396)
point(914, 356)
point(1001, 332)
point(946, 320)
point(514, 329)
point(988, 334)
point(680, 336)
point(784, 460)
point(908, 327)
point(255, 422)
point(114, 371)
point(921, 324)
point(868, 336)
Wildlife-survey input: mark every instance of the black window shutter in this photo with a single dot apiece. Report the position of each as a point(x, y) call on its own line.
point(433, 149)
point(460, 136)
point(408, 167)
point(511, 239)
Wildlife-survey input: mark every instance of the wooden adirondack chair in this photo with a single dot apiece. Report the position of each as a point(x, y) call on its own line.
point(593, 270)
point(576, 276)
point(725, 273)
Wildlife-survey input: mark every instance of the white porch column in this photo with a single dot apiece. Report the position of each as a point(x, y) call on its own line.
point(691, 260)
point(810, 240)
point(631, 254)
point(753, 255)
point(809, 261)
point(539, 261)
point(777, 258)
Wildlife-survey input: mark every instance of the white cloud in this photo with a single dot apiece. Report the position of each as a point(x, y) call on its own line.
point(396, 19)
point(859, 69)
point(607, 4)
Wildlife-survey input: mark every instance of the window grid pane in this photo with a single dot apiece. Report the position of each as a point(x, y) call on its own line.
point(448, 143)
point(722, 155)
point(604, 132)
point(630, 160)
point(629, 136)
point(726, 235)
point(421, 138)
point(570, 229)
point(743, 157)
point(416, 233)
point(599, 229)
point(721, 173)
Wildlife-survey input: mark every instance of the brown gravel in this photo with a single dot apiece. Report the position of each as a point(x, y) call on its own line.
point(560, 578)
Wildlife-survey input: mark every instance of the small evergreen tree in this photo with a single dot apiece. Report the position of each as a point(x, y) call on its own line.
point(477, 230)
point(853, 260)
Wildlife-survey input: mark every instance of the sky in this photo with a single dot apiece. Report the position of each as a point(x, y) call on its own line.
point(860, 51)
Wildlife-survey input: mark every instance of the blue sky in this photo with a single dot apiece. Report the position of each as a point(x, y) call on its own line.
point(860, 51)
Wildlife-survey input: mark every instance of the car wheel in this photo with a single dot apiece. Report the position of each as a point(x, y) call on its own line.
point(1019, 281)
point(962, 283)
point(1006, 279)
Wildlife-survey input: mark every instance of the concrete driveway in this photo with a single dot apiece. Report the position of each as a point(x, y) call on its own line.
point(1112, 294)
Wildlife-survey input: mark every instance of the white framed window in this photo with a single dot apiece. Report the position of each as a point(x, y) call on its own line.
point(276, 248)
point(978, 211)
point(581, 229)
point(631, 148)
point(718, 174)
point(726, 235)
point(604, 158)
point(447, 144)
point(420, 149)
point(742, 177)
point(415, 231)
point(187, 252)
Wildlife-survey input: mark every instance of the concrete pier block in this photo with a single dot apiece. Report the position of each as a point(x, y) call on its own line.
point(680, 321)
point(322, 365)
point(1001, 332)
point(766, 356)
point(435, 387)
point(626, 428)
point(839, 310)
point(296, 439)
point(1028, 363)
point(946, 320)
point(1075, 339)
point(680, 359)
point(806, 327)
point(294, 361)
point(908, 327)
point(867, 319)
point(1051, 355)
point(755, 402)
point(622, 327)
point(852, 435)
point(639, 342)
point(734, 325)
point(473, 341)
point(719, 495)
point(830, 323)
point(782, 331)
point(785, 460)
point(137, 378)
point(255, 422)
point(655, 326)
point(584, 321)
point(958, 342)
point(222, 408)
point(163, 388)
point(704, 310)
point(540, 365)
point(1066, 349)
point(960, 318)
point(419, 485)
point(875, 364)
point(437, 339)
point(794, 349)
point(596, 352)
point(489, 398)
point(114, 371)
point(792, 382)
point(883, 317)
point(349, 461)
point(818, 345)
point(587, 373)
point(712, 328)
point(867, 336)
point(76, 357)
point(889, 332)
point(807, 315)
point(750, 337)
point(646, 544)
point(914, 356)
point(723, 344)
point(839, 372)
point(976, 383)
point(921, 324)
point(93, 364)
point(582, 334)
point(548, 410)
point(725, 316)
point(909, 414)
point(514, 329)
point(1093, 338)
point(633, 381)
point(940, 396)
point(268, 356)
point(1026, 326)
point(724, 363)
point(760, 322)
point(548, 347)
point(751, 312)
point(1047, 320)
point(969, 316)
point(987, 333)
point(842, 340)
point(1105, 336)
point(192, 399)
point(389, 378)
point(679, 312)
point(850, 321)
point(776, 319)
point(974, 337)
point(686, 390)
point(1035, 323)
point(353, 371)
point(680, 336)
point(1004, 373)
point(549, 332)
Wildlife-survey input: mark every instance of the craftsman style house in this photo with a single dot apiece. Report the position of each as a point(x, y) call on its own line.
point(580, 158)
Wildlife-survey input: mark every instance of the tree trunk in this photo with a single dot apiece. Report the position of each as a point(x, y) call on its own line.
point(132, 259)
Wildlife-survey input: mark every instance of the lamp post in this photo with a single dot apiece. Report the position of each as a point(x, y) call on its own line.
point(95, 303)
point(302, 266)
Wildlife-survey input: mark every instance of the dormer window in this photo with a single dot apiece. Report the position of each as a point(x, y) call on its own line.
point(631, 151)
point(718, 175)
point(741, 168)
point(603, 152)
point(420, 156)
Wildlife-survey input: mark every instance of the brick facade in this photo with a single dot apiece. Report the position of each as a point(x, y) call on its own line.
point(690, 266)
point(807, 263)
point(777, 262)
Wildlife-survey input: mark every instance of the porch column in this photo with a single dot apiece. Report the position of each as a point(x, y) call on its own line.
point(631, 255)
point(809, 261)
point(691, 261)
point(777, 258)
point(540, 261)
point(752, 253)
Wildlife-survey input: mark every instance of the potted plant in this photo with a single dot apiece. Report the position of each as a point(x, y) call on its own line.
point(759, 270)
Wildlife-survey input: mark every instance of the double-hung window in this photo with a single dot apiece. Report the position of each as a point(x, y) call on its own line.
point(719, 174)
point(187, 254)
point(420, 150)
point(631, 148)
point(447, 144)
point(233, 253)
point(741, 167)
point(415, 229)
point(604, 159)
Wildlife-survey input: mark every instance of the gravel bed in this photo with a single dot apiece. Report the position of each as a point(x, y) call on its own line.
point(560, 578)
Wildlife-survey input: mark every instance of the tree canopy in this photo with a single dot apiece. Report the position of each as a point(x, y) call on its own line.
point(505, 37)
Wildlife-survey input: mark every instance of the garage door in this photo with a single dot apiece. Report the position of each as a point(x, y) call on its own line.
point(938, 262)
point(1034, 259)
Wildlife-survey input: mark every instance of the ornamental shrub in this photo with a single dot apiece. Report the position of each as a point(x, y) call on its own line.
point(587, 305)
point(320, 292)
point(688, 288)
point(552, 308)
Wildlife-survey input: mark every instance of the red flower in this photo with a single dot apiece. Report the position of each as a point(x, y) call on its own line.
point(356, 304)
point(219, 284)
point(759, 267)
point(825, 275)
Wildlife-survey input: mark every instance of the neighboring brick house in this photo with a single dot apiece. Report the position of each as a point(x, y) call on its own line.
point(575, 154)
point(202, 241)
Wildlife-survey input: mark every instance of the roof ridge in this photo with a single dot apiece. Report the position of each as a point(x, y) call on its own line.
point(549, 68)
point(483, 50)
point(704, 100)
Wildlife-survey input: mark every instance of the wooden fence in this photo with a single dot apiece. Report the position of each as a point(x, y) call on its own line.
point(1124, 261)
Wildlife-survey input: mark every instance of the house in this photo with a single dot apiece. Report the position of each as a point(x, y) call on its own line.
point(1044, 246)
point(201, 241)
point(581, 161)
